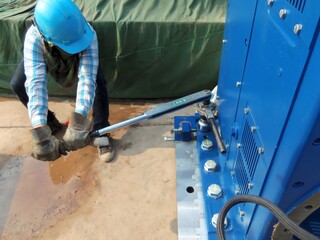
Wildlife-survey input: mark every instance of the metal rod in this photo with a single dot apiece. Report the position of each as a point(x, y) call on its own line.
point(103, 131)
point(157, 111)
point(217, 135)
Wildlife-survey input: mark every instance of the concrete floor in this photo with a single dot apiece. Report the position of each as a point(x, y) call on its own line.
point(80, 197)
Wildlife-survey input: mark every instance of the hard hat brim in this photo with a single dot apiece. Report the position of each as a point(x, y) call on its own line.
point(80, 45)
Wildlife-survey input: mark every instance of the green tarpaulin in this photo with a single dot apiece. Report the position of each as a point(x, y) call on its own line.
point(148, 48)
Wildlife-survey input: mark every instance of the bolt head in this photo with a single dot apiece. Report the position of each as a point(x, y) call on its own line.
point(260, 150)
point(207, 144)
point(203, 125)
point(210, 166)
point(214, 220)
point(214, 191)
point(253, 128)
point(282, 13)
point(297, 28)
point(242, 213)
point(270, 2)
point(246, 110)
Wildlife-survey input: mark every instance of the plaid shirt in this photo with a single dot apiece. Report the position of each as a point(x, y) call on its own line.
point(36, 73)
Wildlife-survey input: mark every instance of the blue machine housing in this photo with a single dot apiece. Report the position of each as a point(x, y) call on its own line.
point(270, 104)
point(269, 118)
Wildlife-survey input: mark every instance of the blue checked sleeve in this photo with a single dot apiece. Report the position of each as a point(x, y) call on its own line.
point(36, 82)
point(89, 60)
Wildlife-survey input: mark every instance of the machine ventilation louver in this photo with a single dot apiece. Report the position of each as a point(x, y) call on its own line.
point(247, 159)
point(298, 4)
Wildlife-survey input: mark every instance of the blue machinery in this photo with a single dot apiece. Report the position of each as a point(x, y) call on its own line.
point(268, 107)
point(260, 135)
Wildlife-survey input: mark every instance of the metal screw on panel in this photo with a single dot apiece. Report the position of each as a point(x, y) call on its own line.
point(232, 173)
point(214, 220)
point(238, 84)
point(207, 144)
point(260, 150)
point(214, 191)
point(246, 110)
point(237, 191)
point(253, 128)
point(210, 166)
point(270, 2)
point(224, 41)
point(297, 28)
point(250, 185)
point(242, 213)
point(282, 13)
point(239, 145)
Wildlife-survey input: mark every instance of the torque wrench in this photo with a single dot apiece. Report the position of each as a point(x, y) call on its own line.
point(157, 111)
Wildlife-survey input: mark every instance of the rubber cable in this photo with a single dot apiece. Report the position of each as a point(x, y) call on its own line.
point(294, 228)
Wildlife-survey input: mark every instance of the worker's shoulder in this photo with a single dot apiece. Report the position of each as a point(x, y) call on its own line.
point(33, 34)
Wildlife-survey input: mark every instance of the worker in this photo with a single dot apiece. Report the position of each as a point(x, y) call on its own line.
point(60, 42)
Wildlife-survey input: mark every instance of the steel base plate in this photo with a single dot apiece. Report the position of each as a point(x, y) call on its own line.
point(191, 220)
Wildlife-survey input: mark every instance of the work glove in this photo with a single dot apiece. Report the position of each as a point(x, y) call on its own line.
point(77, 134)
point(45, 147)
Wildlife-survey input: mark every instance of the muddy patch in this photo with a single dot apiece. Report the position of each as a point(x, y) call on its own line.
point(36, 195)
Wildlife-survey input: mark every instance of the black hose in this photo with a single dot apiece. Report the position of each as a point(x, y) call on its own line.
point(294, 228)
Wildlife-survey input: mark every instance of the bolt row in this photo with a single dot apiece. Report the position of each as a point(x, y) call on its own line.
point(214, 190)
point(282, 14)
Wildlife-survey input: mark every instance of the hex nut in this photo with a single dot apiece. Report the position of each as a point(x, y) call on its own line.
point(282, 13)
point(297, 28)
point(207, 144)
point(260, 150)
point(214, 191)
point(270, 2)
point(214, 220)
point(210, 166)
point(203, 125)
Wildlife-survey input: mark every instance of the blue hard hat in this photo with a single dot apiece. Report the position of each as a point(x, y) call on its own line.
point(61, 23)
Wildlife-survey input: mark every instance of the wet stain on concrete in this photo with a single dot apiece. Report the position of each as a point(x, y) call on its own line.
point(42, 193)
point(126, 110)
point(76, 197)
point(10, 172)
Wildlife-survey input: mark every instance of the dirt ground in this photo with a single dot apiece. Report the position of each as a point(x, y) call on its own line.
point(80, 197)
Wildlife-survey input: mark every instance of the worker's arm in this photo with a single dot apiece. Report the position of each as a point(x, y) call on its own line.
point(89, 60)
point(77, 134)
point(36, 82)
point(44, 146)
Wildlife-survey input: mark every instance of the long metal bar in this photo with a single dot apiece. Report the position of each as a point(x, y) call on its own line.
point(157, 111)
point(210, 118)
point(116, 126)
point(217, 135)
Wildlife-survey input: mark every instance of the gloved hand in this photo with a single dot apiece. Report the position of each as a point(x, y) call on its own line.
point(45, 147)
point(77, 134)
